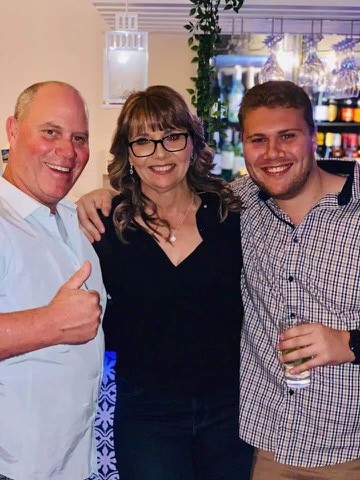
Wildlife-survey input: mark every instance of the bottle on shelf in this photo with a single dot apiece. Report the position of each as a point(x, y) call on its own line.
point(216, 170)
point(357, 112)
point(4, 158)
point(329, 138)
point(350, 145)
point(337, 151)
point(347, 111)
point(239, 167)
point(216, 93)
point(250, 77)
point(332, 110)
point(223, 94)
point(235, 95)
point(321, 108)
point(320, 149)
point(227, 156)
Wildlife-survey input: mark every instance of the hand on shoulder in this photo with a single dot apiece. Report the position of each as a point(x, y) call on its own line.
point(88, 206)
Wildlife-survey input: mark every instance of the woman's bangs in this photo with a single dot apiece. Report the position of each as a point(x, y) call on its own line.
point(154, 118)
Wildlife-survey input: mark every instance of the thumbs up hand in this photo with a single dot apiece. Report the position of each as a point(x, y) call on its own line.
point(76, 313)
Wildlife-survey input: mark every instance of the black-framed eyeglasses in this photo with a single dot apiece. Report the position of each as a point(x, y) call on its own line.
point(144, 147)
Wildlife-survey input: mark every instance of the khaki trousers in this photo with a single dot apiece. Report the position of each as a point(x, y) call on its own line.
point(265, 468)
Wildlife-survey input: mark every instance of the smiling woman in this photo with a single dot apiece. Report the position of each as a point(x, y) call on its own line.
point(172, 234)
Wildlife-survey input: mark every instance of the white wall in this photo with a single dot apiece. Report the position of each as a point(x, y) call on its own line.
point(64, 40)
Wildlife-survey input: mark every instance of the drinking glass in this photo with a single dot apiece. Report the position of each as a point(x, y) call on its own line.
point(299, 380)
point(335, 81)
point(343, 80)
point(312, 72)
point(349, 70)
point(271, 69)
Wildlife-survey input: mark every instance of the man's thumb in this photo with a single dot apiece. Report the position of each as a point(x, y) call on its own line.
point(79, 277)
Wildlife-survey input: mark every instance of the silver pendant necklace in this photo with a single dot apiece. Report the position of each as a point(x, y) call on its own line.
point(173, 231)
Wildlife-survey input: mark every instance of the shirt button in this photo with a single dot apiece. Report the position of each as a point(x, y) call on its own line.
point(291, 278)
point(296, 240)
point(292, 315)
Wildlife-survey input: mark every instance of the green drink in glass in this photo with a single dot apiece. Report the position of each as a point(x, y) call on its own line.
point(299, 380)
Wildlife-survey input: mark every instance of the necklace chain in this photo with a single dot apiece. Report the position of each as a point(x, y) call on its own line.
point(175, 230)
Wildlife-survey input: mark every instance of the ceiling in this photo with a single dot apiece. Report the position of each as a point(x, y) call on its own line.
point(256, 16)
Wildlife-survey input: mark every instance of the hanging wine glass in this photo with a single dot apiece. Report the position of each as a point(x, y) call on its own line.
point(271, 69)
point(312, 72)
point(350, 72)
point(343, 80)
point(335, 87)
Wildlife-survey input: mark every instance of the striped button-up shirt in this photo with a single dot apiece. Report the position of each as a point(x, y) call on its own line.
point(311, 271)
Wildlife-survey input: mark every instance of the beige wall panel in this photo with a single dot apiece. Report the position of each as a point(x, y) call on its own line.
point(42, 39)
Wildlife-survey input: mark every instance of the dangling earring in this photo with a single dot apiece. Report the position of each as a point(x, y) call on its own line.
point(192, 159)
point(131, 169)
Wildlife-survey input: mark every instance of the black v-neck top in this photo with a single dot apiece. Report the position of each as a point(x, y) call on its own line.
point(175, 328)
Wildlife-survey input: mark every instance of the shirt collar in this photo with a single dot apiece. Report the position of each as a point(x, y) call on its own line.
point(23, 204)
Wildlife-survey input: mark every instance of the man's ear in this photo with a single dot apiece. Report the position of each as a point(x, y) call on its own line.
point(12, 126)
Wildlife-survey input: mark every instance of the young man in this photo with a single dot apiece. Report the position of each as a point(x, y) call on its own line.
point(51, 294)
point(300, 238)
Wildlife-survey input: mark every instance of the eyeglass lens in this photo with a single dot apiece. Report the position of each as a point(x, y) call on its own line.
point(172, 143)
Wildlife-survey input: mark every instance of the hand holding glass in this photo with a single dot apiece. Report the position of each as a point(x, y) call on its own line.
point(298, 380)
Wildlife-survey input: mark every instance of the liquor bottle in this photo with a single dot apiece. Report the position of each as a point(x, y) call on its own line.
point(357, 112)
point(320, 150)
point(239, 167)
point(227, 156)
point(235, 95)
point(337, 150)
point(321, 108)
point(223, 95)
point(216, 170)
point(4, 158)
point(329, 138)
point(216, 94)
point(332, 110)
point(351, 147)
point(347, 111)
point(250, 77)
point(344, 144)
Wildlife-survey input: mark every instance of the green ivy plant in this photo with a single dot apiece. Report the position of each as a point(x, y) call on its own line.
point(204, 39)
